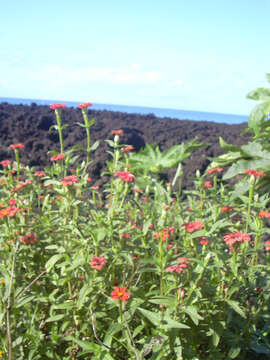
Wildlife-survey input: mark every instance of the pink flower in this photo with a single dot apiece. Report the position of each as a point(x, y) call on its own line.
point(70, 180)
point(5, 163)
point(264, 214)
point(117, 132)
point(127, 148)
point(85, 105)
point(193, 226)
point(120, 293)
point(97, 262)
point(267, 245)
point(12, 201)
point(215, 170)
point(233, 238)
point(124, 175)
point(226, 209)
point(255, 173)
point(57, 106)
point(16, 146)
point(57, 157)
point(207, 185)
point(40, 173)
point(28, 239)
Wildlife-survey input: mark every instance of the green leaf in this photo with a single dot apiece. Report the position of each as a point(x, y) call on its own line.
point(95, 145)
point(191, 311)
point(55, 318)
point(24, 300)
point(227, 147)
point(261, 94)
point(52, 261)
point(235, 306)
point(168, 301)
point(86, 345)
point(257, 116)
point(234, 352)
point(164, 322)
point(85, 290)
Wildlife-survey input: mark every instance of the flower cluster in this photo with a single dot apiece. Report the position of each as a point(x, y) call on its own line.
point(124, 175)
point(120, 293)
point(193, 226)
point(70, 180)
point(97, 262)
point(238, 237)
point(180, 267)
point(28, 239)
point(58, 157)
point(255, 173)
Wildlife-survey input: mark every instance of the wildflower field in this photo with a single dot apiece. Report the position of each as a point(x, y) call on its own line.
point(139, 269)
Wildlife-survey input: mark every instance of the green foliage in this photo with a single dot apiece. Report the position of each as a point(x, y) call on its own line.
point(116, 273)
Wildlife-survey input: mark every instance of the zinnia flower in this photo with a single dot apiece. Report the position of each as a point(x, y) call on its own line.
point(264, 214)
point(40, 173)
point(207, 185)
point(85, 105)
point(97, 262)
point(117, 132)
point(57, 106)
point(28, 239)
point(16, 146)
point(193, 226)
point(5, 163)
point(69, 180)
point(124, 175)
point(215, 170)
point(256, 173)
point(58, 157)
point(127, 148)
point(9, 211)
point(233, 238)
point(120, 293)
point(267, 245)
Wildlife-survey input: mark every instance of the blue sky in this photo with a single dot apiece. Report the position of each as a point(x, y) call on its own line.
point(192, 55)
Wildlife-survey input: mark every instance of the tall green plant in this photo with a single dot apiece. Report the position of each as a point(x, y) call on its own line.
point(254, 155)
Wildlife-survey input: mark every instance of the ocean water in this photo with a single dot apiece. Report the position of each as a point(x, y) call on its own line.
point(160, 112)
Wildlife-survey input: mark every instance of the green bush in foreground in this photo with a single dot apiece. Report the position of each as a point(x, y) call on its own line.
point(132, 271)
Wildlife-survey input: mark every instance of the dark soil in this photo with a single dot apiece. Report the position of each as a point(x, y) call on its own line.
point(30, 125)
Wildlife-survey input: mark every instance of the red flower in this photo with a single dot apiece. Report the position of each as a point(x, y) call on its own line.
point(16, 146)
point(233, 238)
point(97, 262)
point(28, 239)
point(12, 201)
point(124, 175)
point(57, 157)
point(69, 180)
point(9, 211)
point(117, 132)
point(203, 240)
point(5, 163)
point(120, 293)
point(226, 209)
point(207, 185)
point(179, 268)
point(40, 173)
point(125, 236)
point(128, 148)
point(193, 226)
point(215, 170)
point(264, 214)
point(255, 173)
point(136, 190)
point(57, 106)
point(267, 245)
point(85, 105)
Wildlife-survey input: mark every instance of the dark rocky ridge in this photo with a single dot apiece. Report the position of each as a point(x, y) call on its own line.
point(30, 125)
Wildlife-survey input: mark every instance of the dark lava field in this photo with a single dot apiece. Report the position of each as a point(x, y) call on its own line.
point(30, 125)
